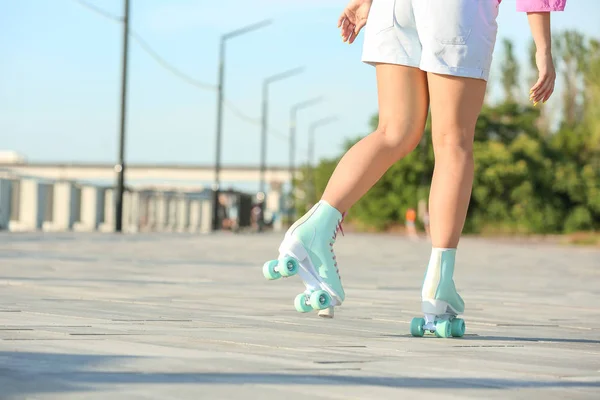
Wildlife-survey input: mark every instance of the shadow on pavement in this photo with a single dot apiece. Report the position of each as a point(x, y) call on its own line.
point(28, 373)
point(530, 339)
point(507, 339)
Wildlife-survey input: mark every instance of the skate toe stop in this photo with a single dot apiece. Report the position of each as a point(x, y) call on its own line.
point(326, 313)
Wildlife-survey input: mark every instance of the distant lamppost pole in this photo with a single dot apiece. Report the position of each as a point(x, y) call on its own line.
point(311, 149)
point(220, 98)
point(264, 128)
point(120, 167)
point(292, 157)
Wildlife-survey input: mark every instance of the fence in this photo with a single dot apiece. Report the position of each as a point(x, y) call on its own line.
point(33, 204)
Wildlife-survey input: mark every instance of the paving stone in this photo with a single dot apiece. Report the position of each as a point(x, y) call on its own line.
point(160, 316)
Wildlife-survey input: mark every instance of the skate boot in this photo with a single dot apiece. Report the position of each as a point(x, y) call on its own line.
point(307, 250)
point(440, 303)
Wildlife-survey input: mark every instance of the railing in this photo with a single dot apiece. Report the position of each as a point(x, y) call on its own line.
point(35, 204)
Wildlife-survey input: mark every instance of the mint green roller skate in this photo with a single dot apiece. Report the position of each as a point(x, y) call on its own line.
point(307, 250)
point(440, 302)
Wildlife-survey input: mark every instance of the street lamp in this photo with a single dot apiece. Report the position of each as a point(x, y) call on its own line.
point(220, 91)
point(264, 122)
point(311, 149)
point(263, 135)
point(311, 136)
point(293, 124)
point(120, 167)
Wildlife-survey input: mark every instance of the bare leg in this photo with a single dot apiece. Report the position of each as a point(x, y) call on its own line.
point(403, 106)
point(455, 106)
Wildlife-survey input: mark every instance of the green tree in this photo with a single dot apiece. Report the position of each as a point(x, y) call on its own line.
point(571, 51)
point(510, 71)
point(528, 178)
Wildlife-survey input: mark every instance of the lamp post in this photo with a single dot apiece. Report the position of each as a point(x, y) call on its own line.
point(292, 157)
point(264, 123)
point(263, 136)
point(120, 167)
point(220, 95)
point(311, 136)
point(311, 149)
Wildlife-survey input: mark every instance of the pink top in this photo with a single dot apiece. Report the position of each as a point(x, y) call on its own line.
point(540, 5)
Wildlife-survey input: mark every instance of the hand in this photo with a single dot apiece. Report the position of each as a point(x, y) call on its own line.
point(544, 87)
point(353, 19)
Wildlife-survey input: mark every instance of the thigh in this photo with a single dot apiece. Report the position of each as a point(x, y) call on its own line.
point(455, 106)
point(458, 36)
point(403, 98)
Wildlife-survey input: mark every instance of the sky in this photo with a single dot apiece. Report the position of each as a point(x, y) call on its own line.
point(60, 71)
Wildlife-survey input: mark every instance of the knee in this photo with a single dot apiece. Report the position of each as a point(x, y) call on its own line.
point(399, 137)
point(454, 141)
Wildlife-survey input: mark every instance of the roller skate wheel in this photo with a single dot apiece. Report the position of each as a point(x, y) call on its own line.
point(320, 299)
point(288, 266)
point(443, 329)
point(416, 327)
point(300, 303)
point(457, 327)
point(269, 270)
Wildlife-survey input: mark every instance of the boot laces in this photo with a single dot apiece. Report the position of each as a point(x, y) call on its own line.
point(338, 228)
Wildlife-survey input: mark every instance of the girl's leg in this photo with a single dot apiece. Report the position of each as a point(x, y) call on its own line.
point(403, 106)
point(455, 105)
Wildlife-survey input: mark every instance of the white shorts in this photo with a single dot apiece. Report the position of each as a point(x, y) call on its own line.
point(450, 37)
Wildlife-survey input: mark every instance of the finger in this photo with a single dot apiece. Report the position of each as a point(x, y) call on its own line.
point(550, 88)
point(545, 89)
point(358, 27)
point(350, 33)
point(538, 85)
point(341, 19)
point(354, 34)
point(538, 88)
point(346, 29)
point(549, 93)
point(535, 87)
point(541, 92)
point(351, 37)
